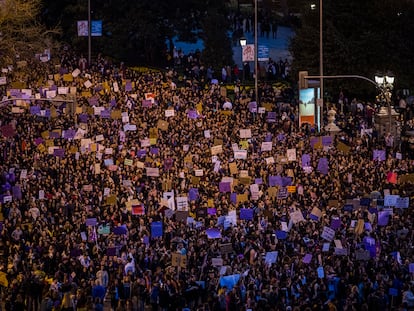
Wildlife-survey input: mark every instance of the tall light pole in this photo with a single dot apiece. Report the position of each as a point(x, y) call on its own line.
point(89, 34)
point(243, 42)
point(256, 69)
point(321, 65)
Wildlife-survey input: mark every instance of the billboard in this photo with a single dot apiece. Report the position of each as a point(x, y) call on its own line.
point(307, 105)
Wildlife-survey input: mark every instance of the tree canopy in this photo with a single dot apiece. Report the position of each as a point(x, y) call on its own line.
point(359, 37)
point(141, 31)
point(21, 33)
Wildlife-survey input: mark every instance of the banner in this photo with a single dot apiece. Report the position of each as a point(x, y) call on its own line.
point(248, 53)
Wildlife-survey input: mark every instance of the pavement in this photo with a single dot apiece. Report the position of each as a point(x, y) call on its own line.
point(278, 47)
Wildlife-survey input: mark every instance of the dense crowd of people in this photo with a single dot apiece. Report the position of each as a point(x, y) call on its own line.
point(145, 193)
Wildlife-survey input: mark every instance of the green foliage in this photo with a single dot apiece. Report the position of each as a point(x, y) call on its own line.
point(136, 31)
point(21, 34)
point(217, 44)
point(359, 37)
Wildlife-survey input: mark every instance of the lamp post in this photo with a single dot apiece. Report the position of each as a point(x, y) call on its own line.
point(386, 83)
point(256, 69)
point(320, 103)
point(321, 64)
point(243, 42)
point(89, 33)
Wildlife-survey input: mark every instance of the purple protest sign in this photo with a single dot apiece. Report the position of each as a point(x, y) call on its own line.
point(35, 110)
point(17, 192)
point(307, 259)
point(113, 102)
point(193, 194)
point(275, 181)
point(213, 233)
point(269, 137)
point(120, 230)
point(271, 117)
point(93, 101)
point(258, 181)
point(327, 140)
point(105, 114)
point(146, 103)
point(378, 155)
point(335, 223)
point(286, 181)
point(323, 166)
point(59, 152)
point(306, 160)
point(91, 222)
point(281, 235)
point(141, 153)
point(233, 198)
point(383, 218)
point(15, 93)
point(156, 229)
point(83, 118)
point(128, 86)
point(281, 137)
point(225, 187)
point(246, 214)
point(38, 141)
point(211, 211)
point(154, 150)
point(192, 114)
point(69, 134)
point(252, 107)
point(98, 88)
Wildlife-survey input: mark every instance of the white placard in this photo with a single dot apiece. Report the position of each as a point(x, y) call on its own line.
point(182, 203)
point(76, 72)
point(291, 154)
point(240, 154)
point(169, 113)
point(198, 172)
point(245, 133)
point(266, 146)
point(328, 233)
point(87, 84)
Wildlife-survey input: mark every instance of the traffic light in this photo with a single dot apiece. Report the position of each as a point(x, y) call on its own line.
point(303, 83)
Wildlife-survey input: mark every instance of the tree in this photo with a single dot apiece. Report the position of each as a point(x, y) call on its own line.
point(22, 35)
point(359, 37)
point(139, 31)
point(217, 44)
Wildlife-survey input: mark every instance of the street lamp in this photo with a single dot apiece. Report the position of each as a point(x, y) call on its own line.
point(321, 65)
point(256, 69)
point(89, 33)
point(385, 84)
point(243, 42)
